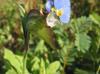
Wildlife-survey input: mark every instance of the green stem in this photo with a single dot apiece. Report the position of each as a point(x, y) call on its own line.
point(98, 70)
point(24, 62)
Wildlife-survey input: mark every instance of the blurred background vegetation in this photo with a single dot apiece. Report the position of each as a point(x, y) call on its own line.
point(79, 41)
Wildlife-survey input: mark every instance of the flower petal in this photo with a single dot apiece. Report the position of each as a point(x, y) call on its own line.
point(48, 5)
point(51, 20)
point(65, 5)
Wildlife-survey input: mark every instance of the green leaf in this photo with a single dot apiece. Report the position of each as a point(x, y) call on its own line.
point(82, 42)
point(79, 71)
point(42, 67)
point(96, 18)
point(15, 60)
point(22, 10)
point(35, 62)
point(53, 67)
point(41, 47)
point(11, 71)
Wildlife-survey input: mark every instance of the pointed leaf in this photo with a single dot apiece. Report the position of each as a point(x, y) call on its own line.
point(42, 67)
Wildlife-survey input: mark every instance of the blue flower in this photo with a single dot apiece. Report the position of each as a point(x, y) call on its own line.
point(65, 6)
point(62, 7)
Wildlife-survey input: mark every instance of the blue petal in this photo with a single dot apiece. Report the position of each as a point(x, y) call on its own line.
point(48, 5)
point(65, 5)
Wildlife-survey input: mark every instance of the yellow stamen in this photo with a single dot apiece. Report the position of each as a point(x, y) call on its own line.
point(59, 12)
